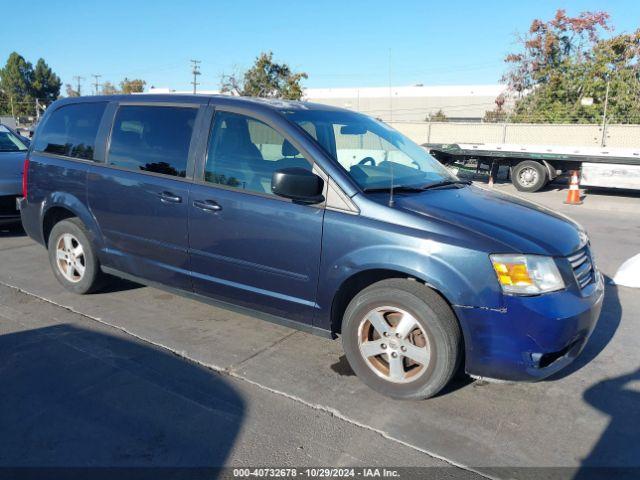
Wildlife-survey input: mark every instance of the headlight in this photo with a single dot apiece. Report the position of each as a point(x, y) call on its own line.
point(527, 274)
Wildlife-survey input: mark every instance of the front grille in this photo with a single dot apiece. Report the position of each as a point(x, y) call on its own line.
point(8, 205)
point(582, 266)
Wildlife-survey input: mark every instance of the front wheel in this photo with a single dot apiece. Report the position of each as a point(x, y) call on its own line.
point(72, 257)
point(529, 176)
point(402, 339)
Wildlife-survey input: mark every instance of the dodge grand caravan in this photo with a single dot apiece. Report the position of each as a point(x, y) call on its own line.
point(317, 218)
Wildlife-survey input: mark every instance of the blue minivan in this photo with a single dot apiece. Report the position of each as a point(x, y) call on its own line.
point(317, 218)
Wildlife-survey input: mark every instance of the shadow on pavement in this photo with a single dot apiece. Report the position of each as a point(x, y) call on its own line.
point(117, 284)
point(611, 192)
point(603, 333)
point(617, 453)
point(77, 403)
point(460, 379)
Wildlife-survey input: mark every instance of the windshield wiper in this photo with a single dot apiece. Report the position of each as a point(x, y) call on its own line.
point(396, 188)
point(445, 183)
point(417, 188)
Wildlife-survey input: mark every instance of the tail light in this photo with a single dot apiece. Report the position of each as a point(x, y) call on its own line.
point(25, 179)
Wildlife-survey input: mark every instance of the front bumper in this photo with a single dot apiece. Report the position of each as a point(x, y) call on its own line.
point(532, 337)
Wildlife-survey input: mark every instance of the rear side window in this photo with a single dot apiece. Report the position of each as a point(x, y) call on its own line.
point(71, 130)
point(9, 142)
point(152, 139)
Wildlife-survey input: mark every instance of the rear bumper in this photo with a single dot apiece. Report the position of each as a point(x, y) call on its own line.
point(9, 212)
point(533, 337)
point(30, 216)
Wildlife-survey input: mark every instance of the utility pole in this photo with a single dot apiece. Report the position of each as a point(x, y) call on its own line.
point(390, 91)
point(604, 115)
point(96, 83)
point(195, 70)
point(78, 79)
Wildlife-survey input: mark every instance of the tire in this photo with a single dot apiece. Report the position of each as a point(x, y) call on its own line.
point(529, 176)
point(436, 332)
point(87, 280)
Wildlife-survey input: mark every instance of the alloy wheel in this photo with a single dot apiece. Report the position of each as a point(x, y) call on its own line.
point(393, 344)
point(70, 258)
point(528, 176)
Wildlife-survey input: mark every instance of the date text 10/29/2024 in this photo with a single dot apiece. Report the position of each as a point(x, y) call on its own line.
point(315, 473)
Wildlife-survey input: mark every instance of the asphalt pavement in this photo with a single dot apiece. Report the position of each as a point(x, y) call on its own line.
point(135, 376)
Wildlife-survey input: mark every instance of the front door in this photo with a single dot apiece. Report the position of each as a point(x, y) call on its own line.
point(140, 196)
point(248, 246)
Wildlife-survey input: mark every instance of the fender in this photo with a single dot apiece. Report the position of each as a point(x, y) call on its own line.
point(550, 170)
point(424, 264)
point(79, 208)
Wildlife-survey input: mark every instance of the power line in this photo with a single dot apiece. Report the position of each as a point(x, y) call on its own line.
point(195, 70)
point(96, 83)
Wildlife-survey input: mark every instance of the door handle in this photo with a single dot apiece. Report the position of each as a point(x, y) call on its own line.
point(168, 197)
point(207, 205)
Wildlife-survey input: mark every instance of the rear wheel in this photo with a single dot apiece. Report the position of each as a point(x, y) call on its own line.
point(72, 257)
point(402, 339)
point(529, 176)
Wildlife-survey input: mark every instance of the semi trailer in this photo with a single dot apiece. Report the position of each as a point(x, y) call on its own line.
point(531, 167)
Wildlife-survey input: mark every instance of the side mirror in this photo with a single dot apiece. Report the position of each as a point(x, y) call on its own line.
point(298, 184)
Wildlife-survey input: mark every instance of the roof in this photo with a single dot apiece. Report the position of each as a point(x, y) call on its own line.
point(266, 103)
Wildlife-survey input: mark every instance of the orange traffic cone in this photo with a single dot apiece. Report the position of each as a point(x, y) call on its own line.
point(573, 197)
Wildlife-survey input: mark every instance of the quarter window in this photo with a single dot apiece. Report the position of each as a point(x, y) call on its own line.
point(9, 142)
point(245, 152)
point(71, 130)
point(152, 139)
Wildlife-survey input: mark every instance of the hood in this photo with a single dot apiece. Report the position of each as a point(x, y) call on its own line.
point(523, 226)
point(11, 163)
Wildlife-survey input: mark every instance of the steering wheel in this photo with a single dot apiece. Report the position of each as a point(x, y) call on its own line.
point(366, 160)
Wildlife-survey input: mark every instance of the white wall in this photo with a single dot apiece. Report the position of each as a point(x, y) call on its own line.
point(618, 136)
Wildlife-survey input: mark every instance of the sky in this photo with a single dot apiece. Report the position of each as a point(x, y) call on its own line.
point(345, 43)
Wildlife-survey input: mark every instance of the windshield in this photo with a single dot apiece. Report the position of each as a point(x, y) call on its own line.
point(374, 154)
point(10, 142)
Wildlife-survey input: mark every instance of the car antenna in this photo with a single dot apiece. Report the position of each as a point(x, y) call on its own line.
point(391, 202)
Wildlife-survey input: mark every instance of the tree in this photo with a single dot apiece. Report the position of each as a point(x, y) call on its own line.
point(564, 60)
point(109, 88)
point(46, 84)
point(70, 91)
point(550, 47)
point(21, 84)
point(615, 61)
point(499, 114)
point(5, 103)
point(132, 86)
point(16, 84)
point(439, 116)
point(265, 78)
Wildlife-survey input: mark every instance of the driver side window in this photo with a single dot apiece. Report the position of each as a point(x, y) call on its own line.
point(245, 152)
